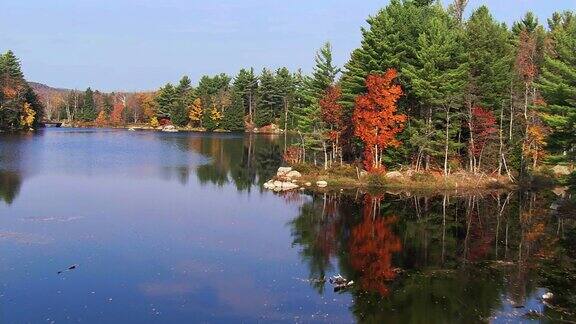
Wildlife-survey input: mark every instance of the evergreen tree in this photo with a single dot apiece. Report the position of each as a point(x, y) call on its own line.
point(439, 84)
point(489, 60)
point(166, 98)
point(89, 112)
point(284, 94)
point(233, 119)
point(267, 110)
point(323, 76)
point(388, 42)
point(558, 85)
point(304, 117)
point(324, 73)
point(246, 84)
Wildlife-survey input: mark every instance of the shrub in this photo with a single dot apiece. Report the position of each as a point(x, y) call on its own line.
point(422, 177)
point(376, 180)
point(345, 170)
point(305, 168)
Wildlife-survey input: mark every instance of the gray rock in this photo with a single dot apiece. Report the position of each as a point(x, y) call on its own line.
point(321, 183)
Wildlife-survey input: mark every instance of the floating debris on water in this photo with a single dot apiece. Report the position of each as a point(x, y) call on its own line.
point(340, 282)
point(72, 267)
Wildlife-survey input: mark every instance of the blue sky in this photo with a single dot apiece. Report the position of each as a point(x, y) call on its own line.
point(142, 44)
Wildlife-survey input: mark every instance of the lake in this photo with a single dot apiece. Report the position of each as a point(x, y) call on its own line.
point(176, 228)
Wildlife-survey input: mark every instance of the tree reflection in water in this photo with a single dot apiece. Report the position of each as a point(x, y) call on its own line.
point(435, 258)
point(371, 247)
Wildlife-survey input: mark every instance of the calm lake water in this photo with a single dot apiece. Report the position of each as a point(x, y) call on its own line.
point(177, 228)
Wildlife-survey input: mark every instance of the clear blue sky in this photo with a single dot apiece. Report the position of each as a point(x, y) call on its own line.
point(141, 44)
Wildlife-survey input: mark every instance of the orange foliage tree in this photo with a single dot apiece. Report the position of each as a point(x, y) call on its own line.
point(375, 117)
point(371, 247)
point(101, 120)
point(332, 114)
point(116, 117)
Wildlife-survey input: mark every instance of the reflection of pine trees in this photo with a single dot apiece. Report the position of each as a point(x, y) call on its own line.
point(10, 183)
point(242, 160)
point(459, 255)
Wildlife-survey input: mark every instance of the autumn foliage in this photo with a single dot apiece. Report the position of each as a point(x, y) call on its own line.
point(117, 114)
point(332, 112)
point(101, 120)
point(483, 128)
point(375, 118)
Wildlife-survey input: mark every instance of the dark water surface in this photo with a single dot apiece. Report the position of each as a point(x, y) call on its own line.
point(177, 228)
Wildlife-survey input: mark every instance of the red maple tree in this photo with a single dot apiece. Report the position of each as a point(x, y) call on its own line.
point(483, 128)
point(375, 118)
point(332, 112)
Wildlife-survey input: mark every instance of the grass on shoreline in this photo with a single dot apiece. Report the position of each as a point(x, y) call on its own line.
point(348, 176)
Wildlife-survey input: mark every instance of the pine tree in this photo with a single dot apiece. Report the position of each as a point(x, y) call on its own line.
point(89, 107)
point(233, 119)
point(165, 99)
point(323, 77)
point(489, 60)
point(267, 110)
point(558, 85)
point(324, 73)
point(388, 42)
point(246, 84)
point(439, 84)
point(10, 66)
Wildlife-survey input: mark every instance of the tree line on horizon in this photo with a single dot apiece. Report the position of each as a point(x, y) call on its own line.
point(426, 87)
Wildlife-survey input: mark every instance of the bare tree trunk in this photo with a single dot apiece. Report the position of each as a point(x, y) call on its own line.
point(447, 141)
point(511, 113)
point(501, 141)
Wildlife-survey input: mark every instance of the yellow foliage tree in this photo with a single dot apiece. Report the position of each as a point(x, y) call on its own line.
point(535, 142)
point(28, 116)
point(195, 112)
point(215, 115)
point(154, 122)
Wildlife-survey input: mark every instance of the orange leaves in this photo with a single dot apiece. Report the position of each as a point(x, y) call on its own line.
point(117, 117)
point(375, 119)
point(101, 119)
point(526, 56)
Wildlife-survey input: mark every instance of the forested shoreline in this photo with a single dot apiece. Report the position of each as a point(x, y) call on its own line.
point(427, 90)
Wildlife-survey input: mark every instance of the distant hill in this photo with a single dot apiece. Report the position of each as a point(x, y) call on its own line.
point(44, 91)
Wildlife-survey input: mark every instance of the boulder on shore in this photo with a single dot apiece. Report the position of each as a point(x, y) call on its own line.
point(283, 171)
point(293, 174)
point(394, 175)
point(321, 183)
point(561, 170)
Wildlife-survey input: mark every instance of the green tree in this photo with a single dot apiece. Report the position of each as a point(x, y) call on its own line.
point(246, 85)
point(233, 119)
point(89, 112)
point(489, 59)
point(268, 109)
point(438, 81)
point(558, 85)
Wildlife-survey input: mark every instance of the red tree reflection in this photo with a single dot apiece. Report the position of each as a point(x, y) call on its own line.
point(371, 247)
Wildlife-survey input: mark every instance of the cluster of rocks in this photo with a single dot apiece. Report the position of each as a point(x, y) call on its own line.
point(288, 179)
